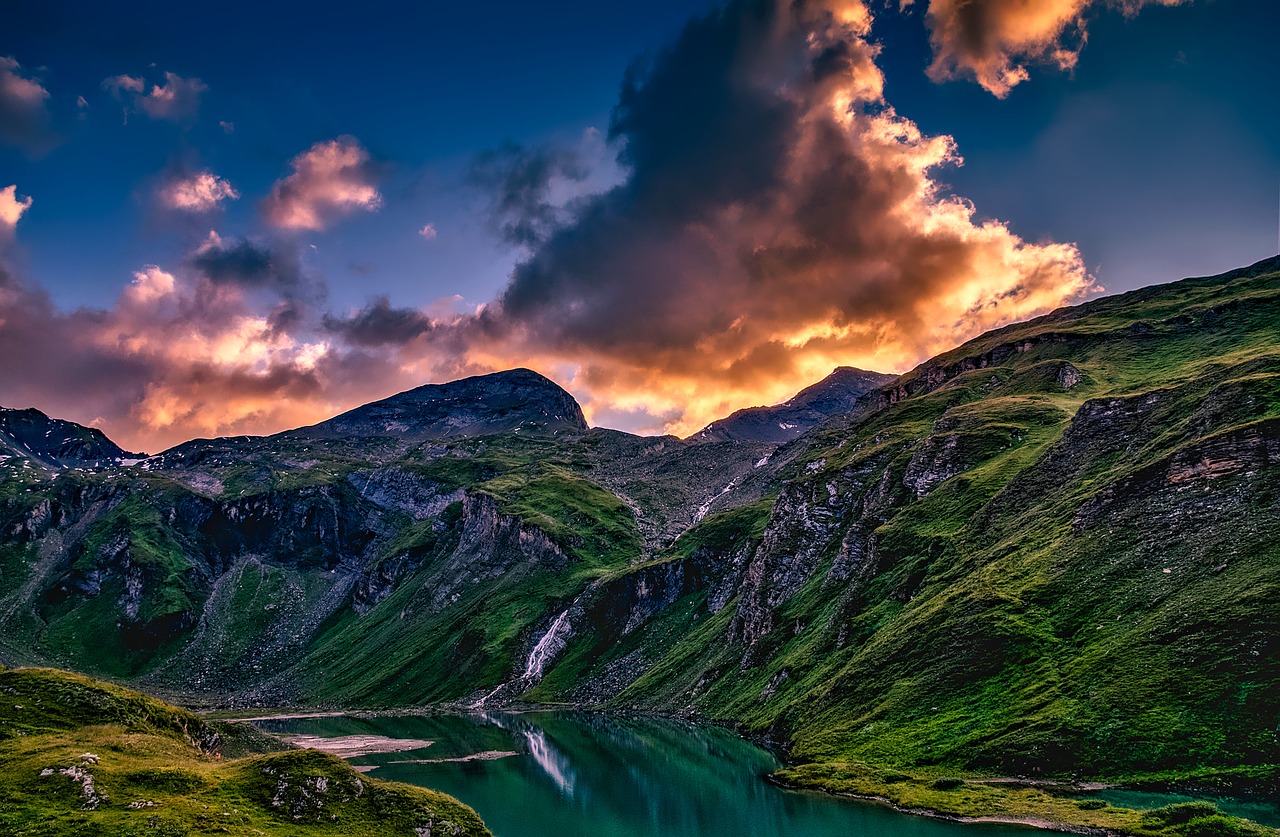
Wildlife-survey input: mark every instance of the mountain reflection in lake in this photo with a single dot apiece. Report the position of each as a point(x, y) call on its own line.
point(580, 774)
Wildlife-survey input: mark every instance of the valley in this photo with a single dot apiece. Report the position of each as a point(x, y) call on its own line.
point(1050, 553)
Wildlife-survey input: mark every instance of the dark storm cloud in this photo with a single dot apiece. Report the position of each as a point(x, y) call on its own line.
point(778, 218)
point(272, 266)
point(244, 263)
point(519, 183)
point(379, 324)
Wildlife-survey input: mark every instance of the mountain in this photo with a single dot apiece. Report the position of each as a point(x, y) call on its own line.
point(1052, 551)
point(512, 401)
point(833, 395)
point(79, 756)
point(29, 436)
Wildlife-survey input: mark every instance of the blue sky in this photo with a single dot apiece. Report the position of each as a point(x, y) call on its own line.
point(1157, 156)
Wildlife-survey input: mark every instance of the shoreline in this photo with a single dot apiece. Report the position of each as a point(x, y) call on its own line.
point(996, 819)
point(1061, 790)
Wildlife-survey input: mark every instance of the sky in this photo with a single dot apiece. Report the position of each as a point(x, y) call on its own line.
point(247, 218)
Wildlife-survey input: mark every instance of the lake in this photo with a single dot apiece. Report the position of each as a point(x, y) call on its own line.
point(580, 774)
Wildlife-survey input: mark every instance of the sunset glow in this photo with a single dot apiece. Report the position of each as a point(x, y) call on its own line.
point(765, 195)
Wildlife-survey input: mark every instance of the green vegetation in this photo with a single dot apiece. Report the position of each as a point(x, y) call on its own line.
point(82, 757)
point(981, 799)
point(1053, 552)
point(1069, 557)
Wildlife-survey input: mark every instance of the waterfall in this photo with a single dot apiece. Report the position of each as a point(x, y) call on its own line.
point(706, 507)
point(551, 644)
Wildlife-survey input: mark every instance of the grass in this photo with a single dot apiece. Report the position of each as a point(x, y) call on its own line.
point(978, 798)
point(157, 769)
point(1072, 598)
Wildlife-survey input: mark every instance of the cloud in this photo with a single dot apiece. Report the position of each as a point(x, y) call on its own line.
point(241, 262)
point(177, 100)
point(519, 182)
point(993, 41)
point(121, 84)
point(428, 232)
point(379, 324)
point(177, 356)
point(11, 209)
point(24, 115)
point(778, 218)
point(199, 192)
point(271, 270)
point(330, 180)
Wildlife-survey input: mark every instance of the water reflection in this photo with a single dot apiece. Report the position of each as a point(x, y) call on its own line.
point(552, 763)
point(586, 774)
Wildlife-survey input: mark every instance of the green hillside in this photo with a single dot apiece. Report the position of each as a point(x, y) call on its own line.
point(83, 757)
point(1054, 550)
point(1051, 552)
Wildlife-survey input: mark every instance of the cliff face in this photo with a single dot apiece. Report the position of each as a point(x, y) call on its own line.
point(1054, 549)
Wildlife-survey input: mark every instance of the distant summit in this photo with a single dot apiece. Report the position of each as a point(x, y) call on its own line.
point(514, 400)
point(813, 405)
point(30, 434)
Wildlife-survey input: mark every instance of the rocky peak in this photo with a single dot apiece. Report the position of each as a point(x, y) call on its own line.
point(833, 395)
point(30, 434)
point(517, 400)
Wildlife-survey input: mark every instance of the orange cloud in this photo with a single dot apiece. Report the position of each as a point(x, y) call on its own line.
point(200, 192)
point(777, 218)
point(992, 41)
point(11, 209)
point(330, 179)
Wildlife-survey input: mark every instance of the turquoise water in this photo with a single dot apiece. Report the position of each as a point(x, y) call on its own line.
point(578, 774)
point(1267, 813)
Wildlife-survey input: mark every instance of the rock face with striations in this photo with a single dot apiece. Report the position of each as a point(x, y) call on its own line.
point(833, 395)
point(516, 400)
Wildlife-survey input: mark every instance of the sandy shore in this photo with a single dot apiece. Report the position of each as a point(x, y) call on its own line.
point(351, 746)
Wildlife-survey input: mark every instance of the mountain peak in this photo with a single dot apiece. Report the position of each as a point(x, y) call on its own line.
point(509, 401)
point(29, 433)
point(808, 408)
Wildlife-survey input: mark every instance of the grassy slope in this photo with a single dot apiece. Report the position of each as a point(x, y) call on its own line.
point(404, 651)
point(155, 769)
point(1019, 616)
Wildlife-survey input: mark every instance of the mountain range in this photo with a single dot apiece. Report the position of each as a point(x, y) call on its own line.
point(1054, 550)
